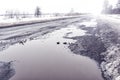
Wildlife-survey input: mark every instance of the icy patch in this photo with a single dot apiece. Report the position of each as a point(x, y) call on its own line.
point(91, 23)
point(70, 31)
point(64, 34)
point(73, 31)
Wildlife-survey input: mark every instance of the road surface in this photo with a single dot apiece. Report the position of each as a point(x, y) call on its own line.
point(20, 34)
point(101, 42)
point(16, 34)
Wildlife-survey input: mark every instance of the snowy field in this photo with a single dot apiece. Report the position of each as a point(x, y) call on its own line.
point(4, 21)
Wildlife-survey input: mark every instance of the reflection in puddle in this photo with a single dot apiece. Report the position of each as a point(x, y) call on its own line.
point(43, 59)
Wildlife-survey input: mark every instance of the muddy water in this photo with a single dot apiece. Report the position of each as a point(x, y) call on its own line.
point(43, 59)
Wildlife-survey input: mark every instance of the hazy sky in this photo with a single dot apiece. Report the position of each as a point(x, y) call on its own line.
point(53, 5)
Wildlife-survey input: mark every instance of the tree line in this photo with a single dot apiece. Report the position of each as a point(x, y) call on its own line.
point(111, 9)
point(17, 14)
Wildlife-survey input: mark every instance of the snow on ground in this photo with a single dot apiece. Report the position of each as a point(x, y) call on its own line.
point(11, 21)
point(110, 18)
point(111, 64)
point(72, 31)
point(91, 23)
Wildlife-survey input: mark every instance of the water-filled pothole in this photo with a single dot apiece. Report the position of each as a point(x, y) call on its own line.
point(43, 59)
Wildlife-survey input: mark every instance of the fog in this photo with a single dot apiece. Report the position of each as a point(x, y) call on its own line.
point(51, 6)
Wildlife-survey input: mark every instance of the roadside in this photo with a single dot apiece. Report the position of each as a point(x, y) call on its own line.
point(28, 21)
point(111, 64)
point(101, 43)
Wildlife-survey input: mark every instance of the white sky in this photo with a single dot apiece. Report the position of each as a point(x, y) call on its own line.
point(50, 6)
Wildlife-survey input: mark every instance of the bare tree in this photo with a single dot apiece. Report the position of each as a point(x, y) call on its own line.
point(17, 14)
point(37, 12)
point(9, 14)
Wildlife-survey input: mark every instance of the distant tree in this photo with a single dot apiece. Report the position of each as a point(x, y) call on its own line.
point(17, 14)
point(116, 10)
point(9, 14)
point(118, 2)
point(72, 10)
point(37, 12)
point(110, 9)
point(24, 15)
point(105, 6)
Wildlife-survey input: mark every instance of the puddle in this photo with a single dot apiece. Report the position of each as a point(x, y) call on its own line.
point(44, 59)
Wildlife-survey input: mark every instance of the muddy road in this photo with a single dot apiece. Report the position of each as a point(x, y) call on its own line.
point(12, 36)
point(80, 48)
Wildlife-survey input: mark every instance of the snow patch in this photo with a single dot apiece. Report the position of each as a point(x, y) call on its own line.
point(91, 23)
point(13, 21)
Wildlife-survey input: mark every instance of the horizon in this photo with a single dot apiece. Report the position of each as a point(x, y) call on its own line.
point(53, 6)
